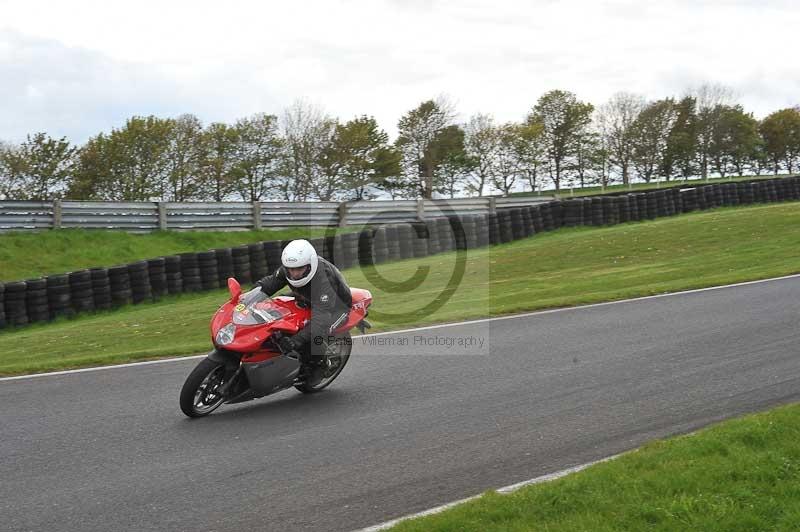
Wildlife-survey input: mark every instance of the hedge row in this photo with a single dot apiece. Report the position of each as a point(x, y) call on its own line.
point(44, 299)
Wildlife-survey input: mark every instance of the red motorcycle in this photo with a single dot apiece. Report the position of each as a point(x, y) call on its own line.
point(247, 362)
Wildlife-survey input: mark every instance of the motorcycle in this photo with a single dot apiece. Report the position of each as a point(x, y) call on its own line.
point(247, 361)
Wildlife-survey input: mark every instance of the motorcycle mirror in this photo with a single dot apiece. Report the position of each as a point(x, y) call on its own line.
point(235, 289)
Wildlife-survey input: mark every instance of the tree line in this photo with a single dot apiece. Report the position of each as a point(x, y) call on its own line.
point(308, 155)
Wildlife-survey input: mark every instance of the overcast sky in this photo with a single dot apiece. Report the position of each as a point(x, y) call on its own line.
point(79, 67)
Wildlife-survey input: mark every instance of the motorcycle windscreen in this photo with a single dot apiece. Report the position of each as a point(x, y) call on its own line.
point(256, 308)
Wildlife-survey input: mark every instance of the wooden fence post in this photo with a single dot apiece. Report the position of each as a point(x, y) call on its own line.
point(341, 211)
point(257, 215)
point(57, 214)
point(162, 216)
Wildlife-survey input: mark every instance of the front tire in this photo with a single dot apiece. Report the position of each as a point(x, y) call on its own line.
point(198, 397)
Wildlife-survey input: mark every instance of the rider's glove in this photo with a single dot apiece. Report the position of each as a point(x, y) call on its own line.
point(287, 344)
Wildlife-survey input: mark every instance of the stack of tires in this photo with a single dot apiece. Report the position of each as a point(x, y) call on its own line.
point(517, 224)
point(573, 212)
point(366, 247)
point(241, 264)
point(347, 250)
point(80, 288)
point(36, 303)
point(58, 296)
point(272, 254)
point(689, 197)
point(420, 239)
point(392, 243)
point(258, 261)
point(140, 282)
point(157, 272)
point(405, 239)
point(506, 225)
point(101, 288)
point(380, 249)
point(209, 273)
point(120, 281)
point(610, 215)
point(224, 265)
point(172, 265)
point(14, 303)
point(494, 228)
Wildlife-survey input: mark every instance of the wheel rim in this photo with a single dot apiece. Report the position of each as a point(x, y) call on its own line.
point(205, 398)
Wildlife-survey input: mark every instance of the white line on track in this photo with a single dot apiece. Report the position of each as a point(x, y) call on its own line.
point(504, 490)
point(428, 327)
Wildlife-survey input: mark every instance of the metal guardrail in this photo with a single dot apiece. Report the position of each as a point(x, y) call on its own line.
point(233, 216)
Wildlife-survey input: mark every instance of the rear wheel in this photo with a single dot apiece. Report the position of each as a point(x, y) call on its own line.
point(336, 356)
point(199, 395)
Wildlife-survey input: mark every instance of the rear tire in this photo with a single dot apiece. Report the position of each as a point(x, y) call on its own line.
point(197, 395)
point(336, 354)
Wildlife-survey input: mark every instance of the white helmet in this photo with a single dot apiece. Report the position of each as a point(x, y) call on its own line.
point(299, 253)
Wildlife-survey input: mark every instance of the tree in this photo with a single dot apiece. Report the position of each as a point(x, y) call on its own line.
point(781, 133)
point(563, 119)
point(734, 141)
point(39, 168)
point(649, 136)
point(615, 120)
point(507, 164)
point(680, 153)
point(418, 129)
point(365, 157)
point(452, 165)
point(185, 155)
point(258, 157)
point(219, 160)
point(308, 133)
point(532, 151)
point(709, 100)
point(481, 141)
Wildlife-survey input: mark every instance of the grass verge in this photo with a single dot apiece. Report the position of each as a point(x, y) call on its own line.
point(742, 474)
point(557, 269)
point(25, 255)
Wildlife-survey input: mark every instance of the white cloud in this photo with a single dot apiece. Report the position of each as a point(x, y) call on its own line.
point(76, 68)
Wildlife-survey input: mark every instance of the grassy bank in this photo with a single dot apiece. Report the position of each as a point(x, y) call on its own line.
point(556, 269)
point(742, 474)
point(26, 255)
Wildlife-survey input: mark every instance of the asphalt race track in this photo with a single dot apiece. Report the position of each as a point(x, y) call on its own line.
point(406, 427)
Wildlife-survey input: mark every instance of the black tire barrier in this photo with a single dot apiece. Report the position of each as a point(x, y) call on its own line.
point(16, 312)
point(101, 288)
point(538, 218)
point(207, 265)
point(272, 252)
point(506, 225)
point(420, 237)
point(405, 239)
point(548, 222)
point(172, 266)
point(556, 212)
point(471, 228)
point(258, 260)
point(445, 235)
point(140, 282)
point(517, 224)
point(224, 265)
point(319, 246)
point(36, 302)
point(392, 243)
point(598, 212)
point(434, 246)
point(494, 228)
point(482, 229)
point(457, 230)
point(380, 249)
point(527, 222)
point(633, 208)
point(241, 266)
point(2, 306)
point(624, 208)
point(366, 247)
point(81, 294)
point(573, 212)
point(610, 213)
point(157, 273)
point(59, 298)
point(190, 271)
point(349, 249)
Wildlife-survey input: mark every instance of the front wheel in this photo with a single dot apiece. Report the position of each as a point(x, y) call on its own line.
point(336, 355)
point(199, 395)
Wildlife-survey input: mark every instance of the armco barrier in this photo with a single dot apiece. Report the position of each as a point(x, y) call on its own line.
point(35, 300)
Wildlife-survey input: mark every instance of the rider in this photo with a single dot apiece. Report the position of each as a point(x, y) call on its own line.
point(317, 284)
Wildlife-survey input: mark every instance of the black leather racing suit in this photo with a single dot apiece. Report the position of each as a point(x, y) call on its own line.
point(328, 297)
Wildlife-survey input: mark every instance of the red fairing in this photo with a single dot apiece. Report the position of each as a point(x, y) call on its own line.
point(286, 317)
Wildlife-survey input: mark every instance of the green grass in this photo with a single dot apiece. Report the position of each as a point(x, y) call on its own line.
point(556, 269)
point(739, 475)
point(568, 192)
point(24, 255)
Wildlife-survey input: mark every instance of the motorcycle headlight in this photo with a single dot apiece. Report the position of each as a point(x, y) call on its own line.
point(225, 335)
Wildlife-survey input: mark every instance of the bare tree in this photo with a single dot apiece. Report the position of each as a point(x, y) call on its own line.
point(481, 144)
point(615, 121)
point(308, 133)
